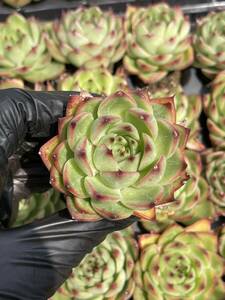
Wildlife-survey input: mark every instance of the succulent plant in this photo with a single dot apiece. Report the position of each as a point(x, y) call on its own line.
point(215, 175)
point(87, 37)
point(60, 296)
point(181, 263)
point(117, 156)
point(99, 81)
point(37, 206)
point(191, 200)
point(163, 218)
point(105, 273)
point(158, 40)
point(222, 242)
point(209, 44)
point(188, 107)
point(7, 83)
point(19, 3)
point(23, 51)
point(214, 106)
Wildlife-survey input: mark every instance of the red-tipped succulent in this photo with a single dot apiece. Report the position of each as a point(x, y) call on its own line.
point(87, 37)
point(158, 41)
point(117, 156)
point(105, 273)
point(180, 263)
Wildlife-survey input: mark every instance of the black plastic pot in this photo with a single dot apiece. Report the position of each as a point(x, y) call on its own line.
point(50, 9)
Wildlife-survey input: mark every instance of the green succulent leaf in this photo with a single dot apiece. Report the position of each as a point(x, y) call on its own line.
point(18, 3)
point(188, 107)
point(222, 243)
point(191, 200)
point(214, 109)
point(215, 175)
point(99, 81)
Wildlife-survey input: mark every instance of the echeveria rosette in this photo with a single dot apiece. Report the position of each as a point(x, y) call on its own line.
point(222, 242)
point(23, 51)
point(106, 273)
point(188, 107)
point(215, 175)
point(181, 263)
point(19, 3)
point(87, 37)
point(214, 106)
point(209, 44)
point(37, 206)
point(117, 156)
point(191, 200)
point(158, 39)
point(98, 81)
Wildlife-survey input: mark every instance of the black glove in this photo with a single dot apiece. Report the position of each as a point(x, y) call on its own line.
point(36, 259)
point(23, 115)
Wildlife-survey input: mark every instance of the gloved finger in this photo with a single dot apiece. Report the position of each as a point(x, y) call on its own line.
point(23, 114)
point(42, 254)
point(28, 113)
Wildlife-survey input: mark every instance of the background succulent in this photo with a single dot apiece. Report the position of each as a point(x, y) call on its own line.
point(105, 273)
point(99, 81)
point(117, 156)
point(23, 52)
point(158, 40)
point(6, 83)
point(215, 175)
point(11, 83)
point(214, 106)
point(209, 44)
point(37, 206)
point(87, 37)
point(191, 200)
point(163, 218)
point(19, 3)
point(181, 263)
point(188, 107)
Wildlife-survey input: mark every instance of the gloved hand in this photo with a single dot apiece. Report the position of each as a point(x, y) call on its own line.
point(23, 115)
point(36, 259)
